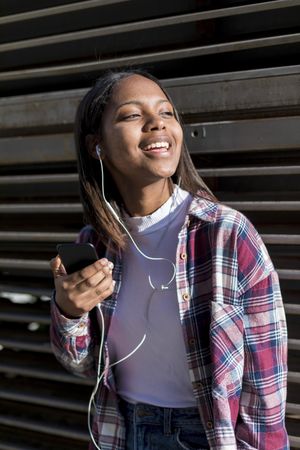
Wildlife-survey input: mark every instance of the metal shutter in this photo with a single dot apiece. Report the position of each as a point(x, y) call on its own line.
point(232, 68)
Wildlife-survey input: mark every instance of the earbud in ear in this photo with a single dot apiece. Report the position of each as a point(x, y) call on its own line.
point(98, 151)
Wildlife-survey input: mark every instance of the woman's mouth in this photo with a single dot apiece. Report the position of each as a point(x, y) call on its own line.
point(157, 147)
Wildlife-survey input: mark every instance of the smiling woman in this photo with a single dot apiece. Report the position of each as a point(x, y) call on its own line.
point(125, 113)
point(141, 143)
point(196, 362)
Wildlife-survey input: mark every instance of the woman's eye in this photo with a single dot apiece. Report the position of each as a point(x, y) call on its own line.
point(168, 113)
point(131, 116)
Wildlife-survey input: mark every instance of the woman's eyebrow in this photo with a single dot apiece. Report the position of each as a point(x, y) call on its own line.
point(139, 103)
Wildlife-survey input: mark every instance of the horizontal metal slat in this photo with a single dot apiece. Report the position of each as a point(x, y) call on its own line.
point(265, 205)
point(33, 236)
point(46, 110)
point(151, 57)
point(235, 92)
point(293, 377)
point(42, 427)
point(8, 263)
point(43, 347)
point(294, 344)
point(24, 317)
point(36, 149)
point(244, 135)
point(292, 408)
point(284, 239)
point(43, 374)
point(45, 208)
point(39, 179)
point(292, 309)
point(26, 289)
point(56, 10)
point(42, 399)
point(288, 274)
point(250, 171)
point(294, 441)
point(147, 24)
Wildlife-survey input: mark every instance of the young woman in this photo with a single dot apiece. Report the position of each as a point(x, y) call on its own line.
point(189, 297)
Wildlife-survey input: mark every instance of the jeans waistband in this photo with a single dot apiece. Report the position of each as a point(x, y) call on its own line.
point(156, 415)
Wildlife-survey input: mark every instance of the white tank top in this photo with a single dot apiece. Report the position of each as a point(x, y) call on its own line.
point(157, 373)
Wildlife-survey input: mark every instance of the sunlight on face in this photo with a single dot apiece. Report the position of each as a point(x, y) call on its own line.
point(140, 136)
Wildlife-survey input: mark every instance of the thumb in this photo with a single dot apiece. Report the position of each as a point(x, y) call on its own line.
point(57, 267)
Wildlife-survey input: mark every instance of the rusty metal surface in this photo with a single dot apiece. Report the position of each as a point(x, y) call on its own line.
point(204, 95)
point(112, 30)
point(242, 130)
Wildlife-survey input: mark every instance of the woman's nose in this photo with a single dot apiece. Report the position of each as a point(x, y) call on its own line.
point(154, 123)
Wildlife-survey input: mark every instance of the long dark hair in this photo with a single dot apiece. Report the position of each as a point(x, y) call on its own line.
point(88, 122)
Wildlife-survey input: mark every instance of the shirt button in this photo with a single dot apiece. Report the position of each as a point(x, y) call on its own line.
point(183, 255)
point(185, 296)
point(199, 385)
point(209, 425)
point(81, 325)
point(192, 341)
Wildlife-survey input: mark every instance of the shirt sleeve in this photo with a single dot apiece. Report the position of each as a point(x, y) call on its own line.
point(261, 420)
point(75, 341)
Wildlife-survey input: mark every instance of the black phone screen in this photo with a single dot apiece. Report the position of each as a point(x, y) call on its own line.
point(76, 256)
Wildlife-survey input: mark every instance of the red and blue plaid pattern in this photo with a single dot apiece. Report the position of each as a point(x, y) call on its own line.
point(234, 328)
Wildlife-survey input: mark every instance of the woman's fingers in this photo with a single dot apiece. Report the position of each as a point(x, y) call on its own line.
point(79, 292)
point(94, 280)
point(57, 267)
point(104, 289)
point(93, 290)
point(97, 268)
point(107, 292)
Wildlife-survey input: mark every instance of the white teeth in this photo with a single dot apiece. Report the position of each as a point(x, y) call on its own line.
point(157, 145)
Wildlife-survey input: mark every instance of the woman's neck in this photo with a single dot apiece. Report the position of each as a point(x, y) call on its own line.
point(144, 201)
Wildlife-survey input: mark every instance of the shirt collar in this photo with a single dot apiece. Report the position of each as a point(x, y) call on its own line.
point(203, 208)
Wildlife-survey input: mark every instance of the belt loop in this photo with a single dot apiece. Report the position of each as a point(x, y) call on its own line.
point(167, 421)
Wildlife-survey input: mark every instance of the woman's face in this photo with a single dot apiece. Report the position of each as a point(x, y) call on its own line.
point(140, 136)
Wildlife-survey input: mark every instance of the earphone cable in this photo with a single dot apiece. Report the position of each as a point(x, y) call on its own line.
point(151, 258)
point(101, 375)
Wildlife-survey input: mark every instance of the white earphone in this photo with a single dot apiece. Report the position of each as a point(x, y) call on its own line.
point(98, 151)
point(163, 286)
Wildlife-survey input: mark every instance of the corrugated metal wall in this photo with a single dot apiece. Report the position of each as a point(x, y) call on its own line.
point(233, 70)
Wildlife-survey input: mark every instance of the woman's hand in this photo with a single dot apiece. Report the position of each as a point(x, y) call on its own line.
point(80, 291)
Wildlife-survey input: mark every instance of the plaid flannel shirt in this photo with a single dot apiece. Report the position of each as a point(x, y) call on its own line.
point(233, 325)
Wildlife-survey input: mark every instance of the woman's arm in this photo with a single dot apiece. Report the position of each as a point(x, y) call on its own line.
point(74, 327)
point(74, 341)
point(261, 420)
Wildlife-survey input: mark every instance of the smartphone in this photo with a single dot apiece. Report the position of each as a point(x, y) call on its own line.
point(76, 256)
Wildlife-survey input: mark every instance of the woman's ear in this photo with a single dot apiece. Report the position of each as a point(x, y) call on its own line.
point(91, 142)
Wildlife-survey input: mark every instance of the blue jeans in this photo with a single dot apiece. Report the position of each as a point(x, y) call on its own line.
point(154, 428)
